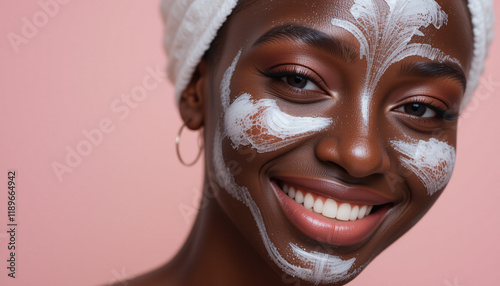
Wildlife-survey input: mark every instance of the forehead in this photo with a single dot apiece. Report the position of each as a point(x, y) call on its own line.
point(248, 24)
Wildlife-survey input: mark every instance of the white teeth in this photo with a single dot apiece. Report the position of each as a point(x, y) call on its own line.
point(318, 206)
point(354, 213)
point(308, 201)
point(299, 197)
point(291, 192)
point(330, 208)
point(326, 206)
point(362, 212)
point(344, 212)
point(368, 210)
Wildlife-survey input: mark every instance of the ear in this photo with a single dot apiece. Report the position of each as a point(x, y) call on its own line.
point(191, 105)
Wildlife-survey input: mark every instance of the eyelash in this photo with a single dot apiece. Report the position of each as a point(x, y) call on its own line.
point(440, 109)
point(280, 72)
point(283, 71)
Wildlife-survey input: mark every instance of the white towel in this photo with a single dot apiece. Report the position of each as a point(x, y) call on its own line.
point(191, 26)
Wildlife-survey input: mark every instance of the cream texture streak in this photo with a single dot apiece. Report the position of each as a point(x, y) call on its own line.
point(191, 26)
point(384, 38)
point(432, 161)
point(264, 126)
point(323, 268)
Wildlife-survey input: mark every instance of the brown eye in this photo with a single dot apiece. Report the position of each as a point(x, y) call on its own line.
point(417, 109)
point(296, 81)
point(300, 82)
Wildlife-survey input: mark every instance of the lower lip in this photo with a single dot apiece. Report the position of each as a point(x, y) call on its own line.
point(327, 230)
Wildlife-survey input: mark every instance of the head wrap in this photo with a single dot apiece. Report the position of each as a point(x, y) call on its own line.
point(191, 26)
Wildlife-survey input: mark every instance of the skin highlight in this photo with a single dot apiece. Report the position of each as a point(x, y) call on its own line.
point(268, 61)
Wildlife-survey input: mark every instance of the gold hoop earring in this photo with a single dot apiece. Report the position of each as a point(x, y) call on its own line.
point(177, 143)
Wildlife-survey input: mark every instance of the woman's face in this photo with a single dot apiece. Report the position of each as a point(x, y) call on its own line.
point(330, 126)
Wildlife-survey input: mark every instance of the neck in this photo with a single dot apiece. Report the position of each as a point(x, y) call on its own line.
point(216, 253)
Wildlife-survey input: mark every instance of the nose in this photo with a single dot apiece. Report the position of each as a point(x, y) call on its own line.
point(361, 151)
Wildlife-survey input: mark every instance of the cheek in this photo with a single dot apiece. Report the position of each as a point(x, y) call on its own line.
point(262, 125)
point(431, 161)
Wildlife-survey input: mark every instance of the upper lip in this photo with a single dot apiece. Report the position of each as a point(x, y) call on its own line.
point(337, 190)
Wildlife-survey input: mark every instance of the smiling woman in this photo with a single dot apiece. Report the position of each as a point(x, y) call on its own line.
point(349, 109)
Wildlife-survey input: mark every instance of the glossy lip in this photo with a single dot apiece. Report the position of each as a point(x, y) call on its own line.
point(337, 191)
point(332, 231)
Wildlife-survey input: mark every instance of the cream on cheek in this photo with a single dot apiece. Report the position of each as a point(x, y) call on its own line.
point(431, 161)
point(384, 38)
point(323, 268)
point(262, 125)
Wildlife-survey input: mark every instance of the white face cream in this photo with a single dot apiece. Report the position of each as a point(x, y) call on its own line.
point(240, 118)
point(262, 125)
point(432, 161)
point(384, 38)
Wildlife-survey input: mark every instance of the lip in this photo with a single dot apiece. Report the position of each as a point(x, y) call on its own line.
point(338, 191)
point(332, 231)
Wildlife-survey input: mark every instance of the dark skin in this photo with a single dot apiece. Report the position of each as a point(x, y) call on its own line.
point(225, 246)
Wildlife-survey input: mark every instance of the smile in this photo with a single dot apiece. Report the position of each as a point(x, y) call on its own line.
point(330, 212)
point(327, 207)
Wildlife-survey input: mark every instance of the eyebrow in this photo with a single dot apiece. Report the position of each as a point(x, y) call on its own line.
point(311, 37)
point(434, 70)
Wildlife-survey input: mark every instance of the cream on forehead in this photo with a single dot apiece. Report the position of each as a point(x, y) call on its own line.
point(262, 125)
point(384, 38)
point(324, 268)
point(432, 161)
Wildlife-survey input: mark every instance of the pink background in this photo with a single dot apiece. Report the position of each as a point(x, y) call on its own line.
point(119, 212)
